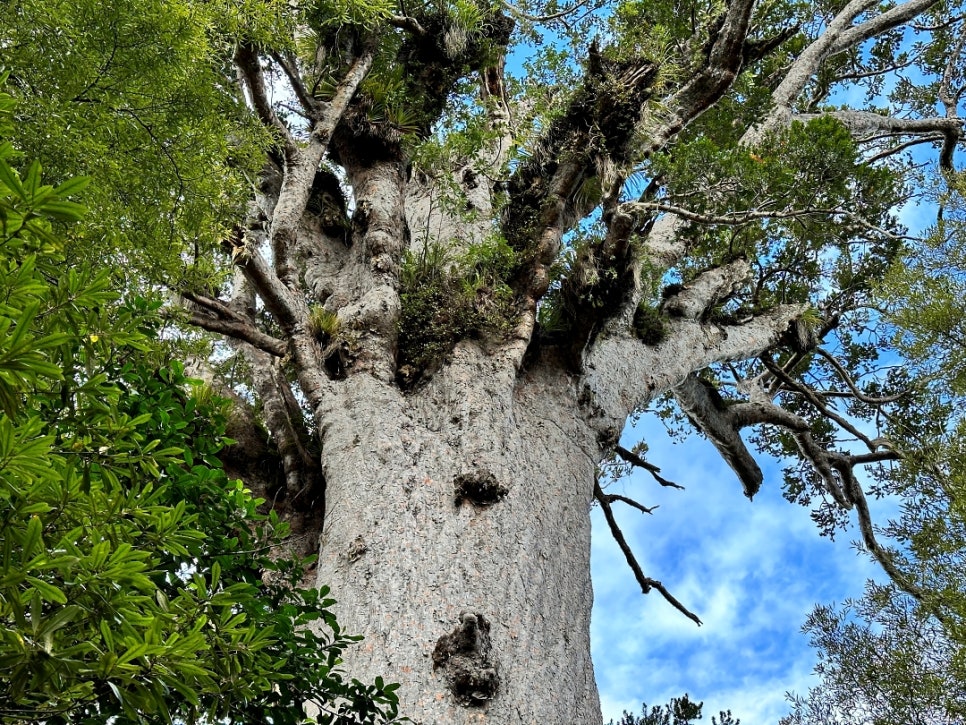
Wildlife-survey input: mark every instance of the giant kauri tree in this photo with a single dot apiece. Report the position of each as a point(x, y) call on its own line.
point(445, 248)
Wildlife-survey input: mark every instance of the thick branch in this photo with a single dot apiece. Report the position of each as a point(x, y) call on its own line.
point(250, 68)
point(409, 24)
point(891, 18)
point(302, 163)
point(622, 374)
point(646, 583)
point(329, 114)
point(284, 418)
point(665, 245)
point(216, 316)
point(239, 331)
point(805, 66)
point(593, 137)
point(707, 289)
point(550, 209)
point(597, 128)
point(723, 63)
point(866, 122)
point(721, 423)
point(835, 468)
point(702, 403)
point(278, 299)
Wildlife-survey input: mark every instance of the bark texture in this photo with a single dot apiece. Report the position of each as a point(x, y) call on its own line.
point(467, 500)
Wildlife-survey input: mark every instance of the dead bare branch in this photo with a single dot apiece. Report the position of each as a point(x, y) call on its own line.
point(611, 497)
point(645, 582)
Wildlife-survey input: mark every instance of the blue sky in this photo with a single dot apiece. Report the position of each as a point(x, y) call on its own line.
point(751, 570)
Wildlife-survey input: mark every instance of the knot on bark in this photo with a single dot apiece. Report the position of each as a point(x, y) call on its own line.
point(464, 657)
point(800, 336)
point(480, 489)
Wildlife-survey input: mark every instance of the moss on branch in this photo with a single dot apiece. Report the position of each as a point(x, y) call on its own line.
point(595, 132)
point(445, 301)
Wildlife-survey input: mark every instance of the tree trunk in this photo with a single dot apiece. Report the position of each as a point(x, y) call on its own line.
point(457, 540)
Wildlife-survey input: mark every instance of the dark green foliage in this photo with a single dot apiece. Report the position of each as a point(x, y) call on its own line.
point(445, 301)
point(136, 584)
point(131, 93)
point(680, 711)
point(810, 167)
point(881, 659)
point(649, 324)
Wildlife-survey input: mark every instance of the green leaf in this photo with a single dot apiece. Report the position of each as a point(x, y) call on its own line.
point(60, 619)
point(48, 591)
point(107, 634)
point(72, 186)
point(33, 537)
point(9, 177)
point(63, 211)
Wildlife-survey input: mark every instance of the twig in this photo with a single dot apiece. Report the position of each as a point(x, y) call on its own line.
point(843, 373)
point(645, 582)
point(542, 18)
point(611, 497)
point(636, 460)
point(809, 395)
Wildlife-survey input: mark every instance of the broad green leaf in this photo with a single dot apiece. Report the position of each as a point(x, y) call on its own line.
point(47, 590)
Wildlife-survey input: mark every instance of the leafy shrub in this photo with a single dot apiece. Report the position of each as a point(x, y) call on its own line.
point(131, 568)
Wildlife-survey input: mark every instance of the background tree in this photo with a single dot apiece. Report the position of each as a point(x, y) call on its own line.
point(448, 276)
point(679, 711)
point(132, 571)
point(889, 657)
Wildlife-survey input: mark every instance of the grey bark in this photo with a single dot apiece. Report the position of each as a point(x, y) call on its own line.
point(409, 556)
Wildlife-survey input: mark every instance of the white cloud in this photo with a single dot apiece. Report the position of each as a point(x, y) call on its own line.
point(751, 570)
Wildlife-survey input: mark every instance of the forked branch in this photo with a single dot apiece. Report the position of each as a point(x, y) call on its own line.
point(215, 316)
point(722, 424)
